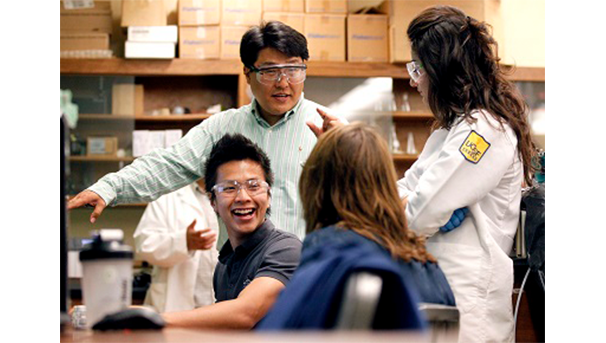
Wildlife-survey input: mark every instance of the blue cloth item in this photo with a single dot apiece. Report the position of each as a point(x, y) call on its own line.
point(313, 297)
point(455, 220)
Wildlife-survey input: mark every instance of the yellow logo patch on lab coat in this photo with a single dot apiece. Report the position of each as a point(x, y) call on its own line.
point(474, 147)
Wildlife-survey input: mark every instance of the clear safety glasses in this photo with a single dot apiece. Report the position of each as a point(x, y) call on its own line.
point(230, 188)
point(414, 70)
point(294, 73)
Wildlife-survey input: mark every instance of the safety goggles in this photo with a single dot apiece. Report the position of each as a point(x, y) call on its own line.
point(414, 70)
point(231, 188)
point(294, 73)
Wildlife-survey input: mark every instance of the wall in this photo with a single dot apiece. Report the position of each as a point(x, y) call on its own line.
point(524, 23)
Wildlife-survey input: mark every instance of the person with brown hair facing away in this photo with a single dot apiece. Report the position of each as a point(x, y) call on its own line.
point(477, 158)
point(353, 214)
point(349, 183)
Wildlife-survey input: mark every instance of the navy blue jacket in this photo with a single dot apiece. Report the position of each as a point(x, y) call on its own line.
point(313, 297)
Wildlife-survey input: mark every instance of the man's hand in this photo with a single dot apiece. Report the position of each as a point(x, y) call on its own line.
point(329, 121)
point(199, 240)
point(455, 220)
point(88, 198)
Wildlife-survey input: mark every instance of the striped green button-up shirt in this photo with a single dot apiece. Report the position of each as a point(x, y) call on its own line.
point(288, 144)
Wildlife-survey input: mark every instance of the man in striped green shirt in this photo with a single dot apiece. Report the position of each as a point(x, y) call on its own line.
point(279, 120)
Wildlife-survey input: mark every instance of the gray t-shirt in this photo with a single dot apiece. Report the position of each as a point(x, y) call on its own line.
point(266, 252)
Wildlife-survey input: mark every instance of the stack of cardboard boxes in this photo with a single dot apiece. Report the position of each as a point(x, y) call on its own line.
point(367, 36)
point(324, 29)
point(199, 30)
point(238, 16)
point(213, 29)
point(290, 12)
point(148, 35)
point(85, 32)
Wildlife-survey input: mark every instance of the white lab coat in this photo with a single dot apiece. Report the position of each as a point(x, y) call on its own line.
point(160, 239)
point(474, 256)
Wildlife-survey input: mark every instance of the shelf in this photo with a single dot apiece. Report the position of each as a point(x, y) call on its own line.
point(193, 67)
point(412, 115)
point(141, 67)
point(356, 69)
point(142, 204)
point(404, 158)
point(419, 115)
point(175, 118)
point(169, 118)
point(76, 158)
point(533, 74)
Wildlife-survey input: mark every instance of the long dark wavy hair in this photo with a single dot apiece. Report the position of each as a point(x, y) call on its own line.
point(459, 55)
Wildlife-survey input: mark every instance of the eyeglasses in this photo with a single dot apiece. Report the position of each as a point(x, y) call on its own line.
point(230, 188)
point(295, 73)
point(414, 70)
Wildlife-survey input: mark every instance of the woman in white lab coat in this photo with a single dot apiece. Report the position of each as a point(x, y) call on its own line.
point(477, 158)
point(183, 255)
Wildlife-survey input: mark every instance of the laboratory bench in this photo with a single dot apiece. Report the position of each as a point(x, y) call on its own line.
point(168, 335)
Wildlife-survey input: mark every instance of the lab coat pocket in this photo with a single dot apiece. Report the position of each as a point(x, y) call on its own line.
point(462, 265)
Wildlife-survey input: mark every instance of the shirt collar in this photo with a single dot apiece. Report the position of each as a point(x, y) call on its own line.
point(249, 244)
point(257, 114)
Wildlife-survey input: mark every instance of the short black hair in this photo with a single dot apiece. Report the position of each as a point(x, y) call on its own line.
point(234, 147)
point(273, 34)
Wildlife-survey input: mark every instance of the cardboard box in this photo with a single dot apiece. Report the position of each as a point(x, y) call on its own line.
point(367, 38)
point(172, 136)
point(144, 141)
point(97, 19)
point(104, 146)
point(202, 42)
point(401, 14)
point(167, 33)
point(294, 20)
point(293, 6)
point(84, 41)
point(141, 142)
point(149, 49)
point(326, 6)
point(199, 12)
point(325, 36)
point(143, 13)
point(231, 37)
point(241, 12)
point(127, 99)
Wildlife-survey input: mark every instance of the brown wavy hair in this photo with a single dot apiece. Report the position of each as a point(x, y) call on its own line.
point(459, 55)
point(349, 180)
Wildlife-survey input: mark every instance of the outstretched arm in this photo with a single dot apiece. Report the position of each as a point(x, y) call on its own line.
point(148, 177)
point(90, 198)
point(241, 313)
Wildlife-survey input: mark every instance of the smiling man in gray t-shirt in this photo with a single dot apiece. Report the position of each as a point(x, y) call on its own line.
point(257, 261)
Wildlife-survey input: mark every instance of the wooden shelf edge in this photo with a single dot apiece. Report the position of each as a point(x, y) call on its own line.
point(142, 67)
point(404, 157)
point(412, 115)
point(177, 118)
point(193, 67)
point(532, 74)
point(85, 158)
point(356, 69)
point(142, 204)
point(184, 117)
